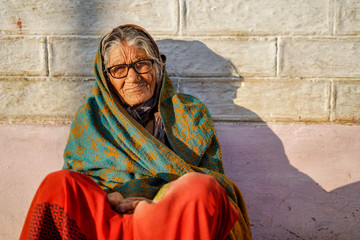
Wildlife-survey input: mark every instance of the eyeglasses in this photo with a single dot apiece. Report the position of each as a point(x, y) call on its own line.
point(122, 70)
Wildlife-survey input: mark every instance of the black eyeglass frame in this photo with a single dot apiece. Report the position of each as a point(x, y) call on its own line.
point(131, 65)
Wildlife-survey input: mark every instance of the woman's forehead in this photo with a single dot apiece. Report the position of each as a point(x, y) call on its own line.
point(125, 54)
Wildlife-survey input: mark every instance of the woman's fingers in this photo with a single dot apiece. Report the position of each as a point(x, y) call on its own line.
point(139, 199)
point(124, 205)
point(114, 198)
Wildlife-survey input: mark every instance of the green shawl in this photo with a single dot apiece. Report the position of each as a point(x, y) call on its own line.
point(108, 145)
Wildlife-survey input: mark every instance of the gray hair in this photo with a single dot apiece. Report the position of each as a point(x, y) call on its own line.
point(132, 37)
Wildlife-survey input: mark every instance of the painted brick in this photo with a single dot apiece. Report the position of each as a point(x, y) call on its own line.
point(220, 57)
point(257, 17)
point(41, 99)
point(218, 97)
point(22, 55)
point(347, 103)
point(72, 56)
point(83, 17)
point(286, 99)
point(256, 100)
point(320, 57)
point(349, 17)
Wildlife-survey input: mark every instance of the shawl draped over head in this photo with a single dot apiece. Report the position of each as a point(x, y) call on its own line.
point(118, 153)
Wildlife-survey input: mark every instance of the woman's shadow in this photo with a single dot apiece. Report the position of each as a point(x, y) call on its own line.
point(283, 203)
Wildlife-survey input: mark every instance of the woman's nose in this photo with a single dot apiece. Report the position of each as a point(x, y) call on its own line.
point(132, 76)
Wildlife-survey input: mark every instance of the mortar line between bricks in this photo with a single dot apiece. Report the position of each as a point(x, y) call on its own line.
point(341, 36)
point(47, 56)
point(182, 16)
point(186, 78)
point(277, 57)
point(335, 16)
point(178, 30)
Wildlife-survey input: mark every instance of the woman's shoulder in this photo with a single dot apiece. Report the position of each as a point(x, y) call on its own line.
point(189, 99)
point(193, 103)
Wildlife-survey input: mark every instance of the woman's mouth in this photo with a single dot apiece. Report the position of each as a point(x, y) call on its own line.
point(135, 88)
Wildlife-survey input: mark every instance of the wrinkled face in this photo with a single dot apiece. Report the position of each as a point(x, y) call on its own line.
point(135, 88)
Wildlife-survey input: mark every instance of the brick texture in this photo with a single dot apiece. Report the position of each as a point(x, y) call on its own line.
point(22, 55)
point(84, 17)
point(348, 21)
point(41, 99)
point(257, 17)
point(233, 57)
point(259, 100)
point(70, 56)
point(250, 60)
point(347, 103)
point(320, 57)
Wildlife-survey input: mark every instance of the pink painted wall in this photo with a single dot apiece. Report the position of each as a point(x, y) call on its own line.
point(299, 181)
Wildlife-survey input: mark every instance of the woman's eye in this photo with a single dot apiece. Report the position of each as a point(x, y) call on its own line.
point(141, 64)
point(119, 68)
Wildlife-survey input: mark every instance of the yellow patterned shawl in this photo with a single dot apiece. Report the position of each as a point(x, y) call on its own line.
point(108, 145)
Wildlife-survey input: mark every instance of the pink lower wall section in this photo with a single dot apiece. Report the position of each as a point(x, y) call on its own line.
point(299, 181)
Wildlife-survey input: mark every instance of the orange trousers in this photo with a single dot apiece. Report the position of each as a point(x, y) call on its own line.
point(70, 205)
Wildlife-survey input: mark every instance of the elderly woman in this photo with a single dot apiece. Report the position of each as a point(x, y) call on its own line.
point(141, 162)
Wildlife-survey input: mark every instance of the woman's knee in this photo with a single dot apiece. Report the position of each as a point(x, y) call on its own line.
point(55, 176)
point(199, 185)
point(61, 178)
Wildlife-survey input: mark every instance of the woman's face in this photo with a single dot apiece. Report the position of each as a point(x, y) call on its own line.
point(135, 88)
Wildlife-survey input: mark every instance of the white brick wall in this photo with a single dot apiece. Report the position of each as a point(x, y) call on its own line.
point(42, 99)
point(288, 61)
point(347, 101)
point(347, 21)
point(257, 17)
point(320, 57)
point(86, 17)
point(22, 55)
point(72, 56)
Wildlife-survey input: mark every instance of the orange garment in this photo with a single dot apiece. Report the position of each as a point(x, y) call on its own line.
point(70, 205)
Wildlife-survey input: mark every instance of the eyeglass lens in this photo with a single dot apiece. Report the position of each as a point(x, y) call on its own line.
point(141, 67)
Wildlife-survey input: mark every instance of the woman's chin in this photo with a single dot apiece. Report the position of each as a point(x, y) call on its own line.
point(137, 99)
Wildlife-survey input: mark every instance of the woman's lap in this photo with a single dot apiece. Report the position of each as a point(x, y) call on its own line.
point(194, 207)
point(71, 204)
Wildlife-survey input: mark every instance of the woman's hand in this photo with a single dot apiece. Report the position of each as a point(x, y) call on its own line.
point(124, 205)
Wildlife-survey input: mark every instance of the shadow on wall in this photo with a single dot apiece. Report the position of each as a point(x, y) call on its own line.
point(206, 75)
point(283, 202)
point(195, 59)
